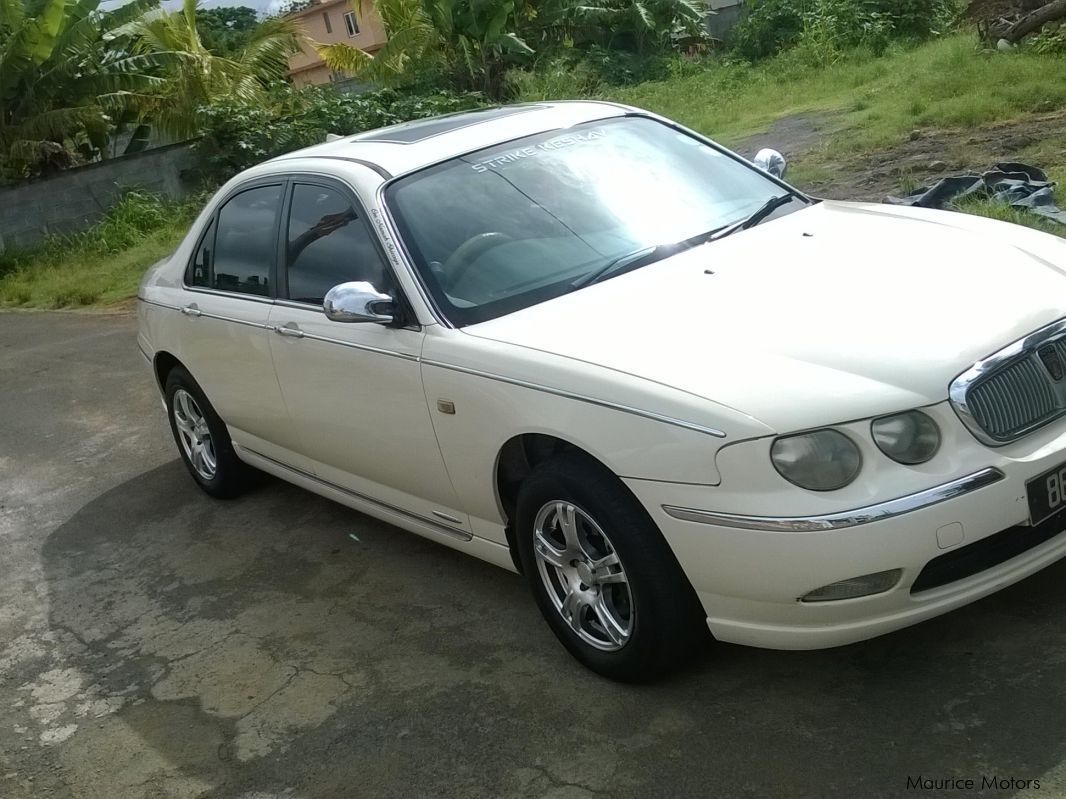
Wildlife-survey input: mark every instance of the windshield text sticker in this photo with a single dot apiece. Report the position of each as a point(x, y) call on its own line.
point(558, 143)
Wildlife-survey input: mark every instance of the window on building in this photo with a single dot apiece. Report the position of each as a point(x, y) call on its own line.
point(325, 18)
point(351, 24)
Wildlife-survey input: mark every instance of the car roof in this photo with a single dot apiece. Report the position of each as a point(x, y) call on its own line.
point(410, 146)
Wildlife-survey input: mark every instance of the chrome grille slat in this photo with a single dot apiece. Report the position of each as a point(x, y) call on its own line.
point(1014, 391)
point(1015, 399)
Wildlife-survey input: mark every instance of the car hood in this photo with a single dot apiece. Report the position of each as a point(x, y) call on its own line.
point(836, 312)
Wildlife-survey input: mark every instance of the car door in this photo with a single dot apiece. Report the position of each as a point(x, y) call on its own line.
point(353, 390)
point(225, 334)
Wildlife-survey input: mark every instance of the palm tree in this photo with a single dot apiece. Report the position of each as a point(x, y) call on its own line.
point(470, 41)
point(67, 74)
point(197, 76)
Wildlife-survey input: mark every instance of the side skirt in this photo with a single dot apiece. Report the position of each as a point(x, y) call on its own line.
point(461, 540)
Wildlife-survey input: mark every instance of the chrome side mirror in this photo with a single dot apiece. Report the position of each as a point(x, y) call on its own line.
point(358, 302)
point(771, 161)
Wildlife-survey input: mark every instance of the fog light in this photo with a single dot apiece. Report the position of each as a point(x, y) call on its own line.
point(867, 585)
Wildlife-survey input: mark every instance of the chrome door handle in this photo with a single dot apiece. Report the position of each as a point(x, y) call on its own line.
point(289, 330)
point(191, 310)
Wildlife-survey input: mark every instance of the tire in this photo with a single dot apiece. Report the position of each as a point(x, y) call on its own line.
point(632, 628)
point(214, 466)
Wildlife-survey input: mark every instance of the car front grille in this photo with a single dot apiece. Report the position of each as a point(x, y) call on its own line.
point(1016, 390)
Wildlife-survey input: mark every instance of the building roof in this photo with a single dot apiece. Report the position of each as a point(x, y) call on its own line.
point(412, 145)
point(317, 6)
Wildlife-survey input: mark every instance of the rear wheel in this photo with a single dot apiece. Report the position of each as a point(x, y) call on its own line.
point(203, 441)
point(602, 574)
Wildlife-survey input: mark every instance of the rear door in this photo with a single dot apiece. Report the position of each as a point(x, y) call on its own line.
point(353, 390)
point(225, 334)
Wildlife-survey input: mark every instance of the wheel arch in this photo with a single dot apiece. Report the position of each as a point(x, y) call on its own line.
point(163, 364)
point(518, 456)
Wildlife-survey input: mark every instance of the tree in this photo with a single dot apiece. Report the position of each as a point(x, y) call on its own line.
point(471, 42)
point(197, 76)
point(226, 30)
point(640, 26)
point(68, 77)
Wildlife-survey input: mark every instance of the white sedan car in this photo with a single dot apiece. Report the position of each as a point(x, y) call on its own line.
point(581, 342)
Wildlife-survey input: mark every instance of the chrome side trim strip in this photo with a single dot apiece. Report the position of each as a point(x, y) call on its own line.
point(1016, 351)
point(206, 315)
point(614, 406)
point(843, 519)
point(446, 517)
point(364, 347)
point(461, 535)
point(158, 304)
point(221, 318)
point(236, 295)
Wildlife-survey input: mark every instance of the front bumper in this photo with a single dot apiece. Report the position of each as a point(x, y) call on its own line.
point(750, 576)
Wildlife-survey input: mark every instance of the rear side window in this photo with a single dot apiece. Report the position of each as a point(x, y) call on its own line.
point(244, 242)
point(200, 268)
point(327, 244)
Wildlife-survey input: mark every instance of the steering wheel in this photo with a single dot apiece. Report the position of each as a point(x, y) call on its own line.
point(459, 262)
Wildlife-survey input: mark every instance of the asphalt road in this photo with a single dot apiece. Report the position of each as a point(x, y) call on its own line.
point(158, 643)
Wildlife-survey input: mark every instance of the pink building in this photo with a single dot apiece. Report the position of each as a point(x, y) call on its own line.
point(354, 22)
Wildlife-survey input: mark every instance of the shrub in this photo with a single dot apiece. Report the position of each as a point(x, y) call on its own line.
point(769, 27)
point(1049, 41)
point(236, 136)
point(827, 27)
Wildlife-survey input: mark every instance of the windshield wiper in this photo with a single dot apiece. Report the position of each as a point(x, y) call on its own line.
point(648, 255)
point(752, 220)
point(631, 260)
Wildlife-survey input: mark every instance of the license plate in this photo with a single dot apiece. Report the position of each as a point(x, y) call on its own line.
point(1047, 494)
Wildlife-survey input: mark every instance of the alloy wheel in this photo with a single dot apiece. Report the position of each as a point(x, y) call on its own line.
point(583, 575)
point(194, 434)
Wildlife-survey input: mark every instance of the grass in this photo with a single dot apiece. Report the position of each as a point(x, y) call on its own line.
point(1005, 213)
point(945, 83)
point(100, 267)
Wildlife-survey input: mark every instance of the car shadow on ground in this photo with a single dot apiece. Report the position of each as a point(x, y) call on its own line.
point(281, 641)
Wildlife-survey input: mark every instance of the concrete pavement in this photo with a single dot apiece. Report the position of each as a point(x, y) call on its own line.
point(157, 643)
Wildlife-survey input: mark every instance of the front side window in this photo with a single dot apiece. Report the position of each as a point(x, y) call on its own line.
point(504, 228)
point(327, 244)
point(245, 241)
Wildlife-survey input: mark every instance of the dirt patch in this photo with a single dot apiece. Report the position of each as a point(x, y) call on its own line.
point(793, 136)
point(926, 156)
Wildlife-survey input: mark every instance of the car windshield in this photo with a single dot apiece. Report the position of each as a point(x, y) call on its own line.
point(501, 229)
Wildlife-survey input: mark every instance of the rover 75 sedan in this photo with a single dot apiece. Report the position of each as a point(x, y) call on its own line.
point(681, 397)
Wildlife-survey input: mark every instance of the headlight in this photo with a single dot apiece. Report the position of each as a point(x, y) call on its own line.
point(909, 438)
point(824, 460)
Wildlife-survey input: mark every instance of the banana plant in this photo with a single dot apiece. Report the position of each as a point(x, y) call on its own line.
point(195, 76)
point(639, 25)
point(472, 41)
point(66, 71)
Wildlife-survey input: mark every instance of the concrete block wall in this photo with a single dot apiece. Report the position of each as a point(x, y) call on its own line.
point(75, 199)
point(727, 13)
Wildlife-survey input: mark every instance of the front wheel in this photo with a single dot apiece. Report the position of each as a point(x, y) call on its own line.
point(602, 574)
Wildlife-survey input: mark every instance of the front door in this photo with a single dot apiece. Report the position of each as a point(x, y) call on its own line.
point(354, 391)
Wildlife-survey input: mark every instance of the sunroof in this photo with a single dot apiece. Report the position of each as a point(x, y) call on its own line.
point(411, 132)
